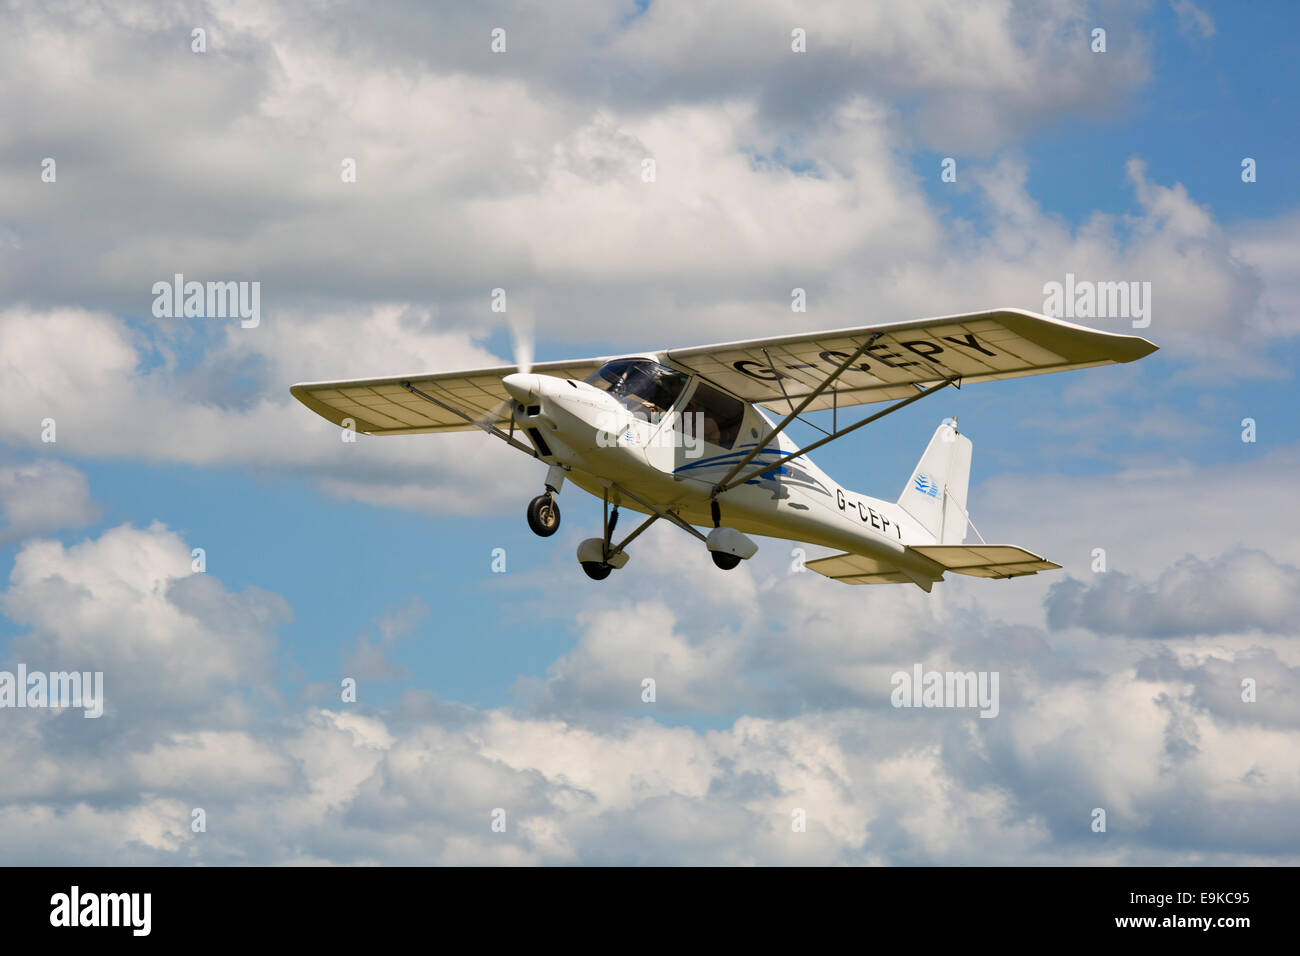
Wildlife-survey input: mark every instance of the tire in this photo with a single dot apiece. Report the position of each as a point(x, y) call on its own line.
point(724, 560)
point(544, 516)
point(596, 570)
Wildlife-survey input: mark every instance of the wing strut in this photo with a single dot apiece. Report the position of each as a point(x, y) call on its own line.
point(726, 485)
point(510, 439)
point(786, 395)
point(722, 485)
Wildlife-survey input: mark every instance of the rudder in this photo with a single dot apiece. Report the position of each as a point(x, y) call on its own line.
point(935, 495)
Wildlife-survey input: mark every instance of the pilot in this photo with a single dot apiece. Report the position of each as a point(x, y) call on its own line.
point(708, 429)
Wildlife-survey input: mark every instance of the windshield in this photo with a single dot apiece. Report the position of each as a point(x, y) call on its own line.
point(644, 387)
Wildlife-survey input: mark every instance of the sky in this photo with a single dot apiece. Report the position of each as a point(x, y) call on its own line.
point(1121, 676)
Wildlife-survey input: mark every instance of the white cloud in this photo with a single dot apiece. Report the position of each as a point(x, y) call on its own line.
point(754, 194)
point(979, 71)
point(1238, 592)
point(749, 199)
point(370, 658)
point(169, 640)
point(1145, 516)
point(90, 374)
point(393, 273)
point(1193, 19)
point(42, 496)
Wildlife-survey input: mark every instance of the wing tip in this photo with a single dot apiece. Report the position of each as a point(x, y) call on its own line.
point(1135, 346)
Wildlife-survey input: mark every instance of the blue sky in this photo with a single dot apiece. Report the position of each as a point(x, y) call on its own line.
point(517, 184)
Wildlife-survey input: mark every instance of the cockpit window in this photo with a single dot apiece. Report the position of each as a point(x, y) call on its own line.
point(720, 415)
point(643, 387)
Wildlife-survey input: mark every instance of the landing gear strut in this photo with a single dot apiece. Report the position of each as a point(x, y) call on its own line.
point(599, 570)
point(544, 515)
point(720, 558)
point(599, 556)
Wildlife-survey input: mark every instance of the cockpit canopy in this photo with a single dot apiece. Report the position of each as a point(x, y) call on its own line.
point(648, 389)
point(642, 386)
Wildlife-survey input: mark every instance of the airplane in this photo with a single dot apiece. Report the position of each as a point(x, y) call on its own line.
point(681, 436)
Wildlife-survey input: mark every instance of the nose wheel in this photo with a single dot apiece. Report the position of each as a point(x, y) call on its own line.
point(544, 515)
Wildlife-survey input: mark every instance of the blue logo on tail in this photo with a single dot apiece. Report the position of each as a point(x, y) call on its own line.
point(925, 485)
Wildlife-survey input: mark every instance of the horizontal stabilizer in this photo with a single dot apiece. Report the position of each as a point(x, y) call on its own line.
point(857, 569)
point(985, 560)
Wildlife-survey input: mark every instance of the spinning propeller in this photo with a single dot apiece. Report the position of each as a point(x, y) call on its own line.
point(523, 337)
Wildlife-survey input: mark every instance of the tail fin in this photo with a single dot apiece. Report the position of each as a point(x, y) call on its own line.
point(935, 495)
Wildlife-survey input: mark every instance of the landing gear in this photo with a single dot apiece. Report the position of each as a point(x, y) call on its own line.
point(597, 570)
point(727, 546)
point(597, 555)
point(600, 556)
point(726, 538)
point(724, 561)
point(544, 515)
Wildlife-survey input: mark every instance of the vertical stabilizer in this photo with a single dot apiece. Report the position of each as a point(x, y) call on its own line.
point(935, 495)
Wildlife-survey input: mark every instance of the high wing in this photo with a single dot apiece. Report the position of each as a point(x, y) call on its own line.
point(382, 406)
point(977, 347)
point(980, 346)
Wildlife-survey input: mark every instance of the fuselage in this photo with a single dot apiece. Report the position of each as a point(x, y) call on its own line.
point(673, 456)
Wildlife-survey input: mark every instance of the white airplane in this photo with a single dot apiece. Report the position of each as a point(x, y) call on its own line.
point(679, 435)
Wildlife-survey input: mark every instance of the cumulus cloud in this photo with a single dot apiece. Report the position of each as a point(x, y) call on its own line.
point(370, 657)
point(1140, 520)
point(750, 198)
point(419, 783)
point(978, 73)
point(478, 171)
point(1270, 247)
point(42, 496)
point(169, 640)
point(1250, 686)
point(1244, 590)
point(112, 397)
point(525, 170)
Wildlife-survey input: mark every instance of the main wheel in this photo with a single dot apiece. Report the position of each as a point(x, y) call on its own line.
point(544, 516)
point(596, 570)
point(724, 560)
